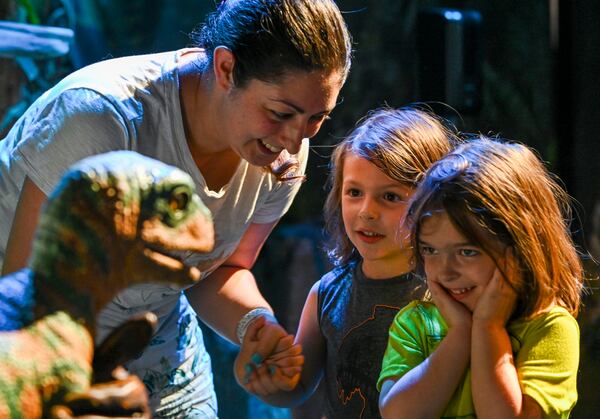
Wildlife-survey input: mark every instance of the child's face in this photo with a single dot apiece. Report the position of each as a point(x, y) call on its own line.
point(462, 268)
point(373, 206)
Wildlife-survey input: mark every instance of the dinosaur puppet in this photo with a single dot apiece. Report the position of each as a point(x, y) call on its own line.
point(114, 220)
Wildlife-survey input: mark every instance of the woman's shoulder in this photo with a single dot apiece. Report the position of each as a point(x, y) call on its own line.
point(122, 79)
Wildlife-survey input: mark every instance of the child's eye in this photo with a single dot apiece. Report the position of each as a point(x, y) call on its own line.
point(468, 252)
point(353, 192)
point(426, 250)
point(392, 197)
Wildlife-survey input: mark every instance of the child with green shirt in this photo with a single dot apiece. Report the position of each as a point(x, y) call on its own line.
point(499, 337)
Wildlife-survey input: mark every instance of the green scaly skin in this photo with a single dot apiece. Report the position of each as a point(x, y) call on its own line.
point(113, 221)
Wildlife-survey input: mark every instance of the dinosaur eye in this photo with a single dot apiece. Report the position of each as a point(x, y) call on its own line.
point(179, 200)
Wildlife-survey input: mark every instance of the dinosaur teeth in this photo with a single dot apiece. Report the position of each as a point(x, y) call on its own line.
point(173, 262)
point(161, 259)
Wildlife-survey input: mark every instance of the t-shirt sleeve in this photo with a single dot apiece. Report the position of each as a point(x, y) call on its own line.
point(281, 197)
point(75, 124)
point(405, 349)
point(547, 363)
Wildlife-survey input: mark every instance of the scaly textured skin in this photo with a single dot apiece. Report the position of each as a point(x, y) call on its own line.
point(114, 221)
point(41, 364)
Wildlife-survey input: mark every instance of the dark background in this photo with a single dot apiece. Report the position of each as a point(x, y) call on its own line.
point(531, 73)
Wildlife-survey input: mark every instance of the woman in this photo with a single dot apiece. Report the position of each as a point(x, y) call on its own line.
point(235, 112)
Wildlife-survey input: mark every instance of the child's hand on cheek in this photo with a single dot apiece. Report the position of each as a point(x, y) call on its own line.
point(497, 302)
point(455, 314)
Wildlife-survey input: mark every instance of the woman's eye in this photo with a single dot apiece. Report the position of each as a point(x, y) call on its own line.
point(281, 115)
point(319, 118)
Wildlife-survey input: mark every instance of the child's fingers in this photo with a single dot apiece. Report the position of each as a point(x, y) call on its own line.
point(284, 344)
point(284, 379)
point(497, 302)
point(288, 366)
point(263, 381)
point(268, 339)
point(288, 361)
point(294, 350)
point(287, 381)
point(453, 312)
point(269, 379)
point(438, 294)
point(290, 372)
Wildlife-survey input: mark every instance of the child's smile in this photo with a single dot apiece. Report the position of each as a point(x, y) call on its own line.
point(369, 236)
point(459, 292)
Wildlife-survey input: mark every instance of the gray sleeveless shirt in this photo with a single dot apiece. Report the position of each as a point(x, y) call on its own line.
point(355, 313)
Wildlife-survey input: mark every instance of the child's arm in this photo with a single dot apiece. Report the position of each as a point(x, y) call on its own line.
point(425, 391)
point(495, 383)
point(269, 386)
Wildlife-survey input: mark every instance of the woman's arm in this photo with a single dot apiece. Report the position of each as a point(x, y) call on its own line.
point(223, 298)
point(23, 227)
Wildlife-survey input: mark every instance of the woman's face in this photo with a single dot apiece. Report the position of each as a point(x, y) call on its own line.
point(263, 119)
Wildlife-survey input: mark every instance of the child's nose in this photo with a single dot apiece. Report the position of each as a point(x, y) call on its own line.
point(368, 211)
point(447, 268)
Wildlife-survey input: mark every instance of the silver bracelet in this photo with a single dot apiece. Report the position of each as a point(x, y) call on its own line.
point(249, 317)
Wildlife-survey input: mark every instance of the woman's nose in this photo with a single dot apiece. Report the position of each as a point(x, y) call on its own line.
point(292, 136)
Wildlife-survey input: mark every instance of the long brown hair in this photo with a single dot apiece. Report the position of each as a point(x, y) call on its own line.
point(503, 189)
point(403, 143)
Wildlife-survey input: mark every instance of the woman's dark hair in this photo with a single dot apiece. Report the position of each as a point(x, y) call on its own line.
point(271, 37)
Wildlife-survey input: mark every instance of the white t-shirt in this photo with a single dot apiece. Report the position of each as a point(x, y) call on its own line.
point(132, 103)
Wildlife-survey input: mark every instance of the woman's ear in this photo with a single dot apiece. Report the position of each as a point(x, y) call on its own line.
point(223, 65)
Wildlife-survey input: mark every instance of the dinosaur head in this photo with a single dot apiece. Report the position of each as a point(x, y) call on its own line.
point(116, 220)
